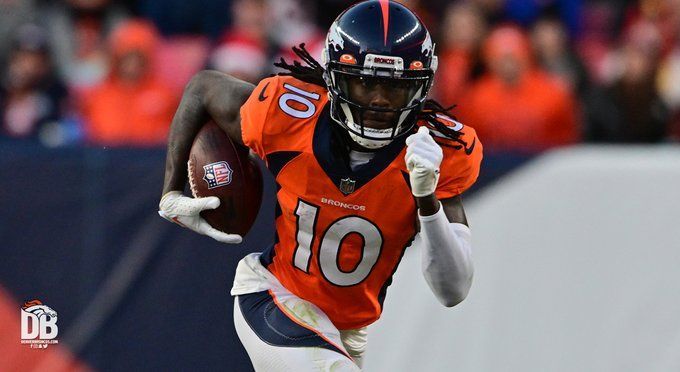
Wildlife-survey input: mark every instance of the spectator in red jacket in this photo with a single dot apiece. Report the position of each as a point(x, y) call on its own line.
point(133, 106)
point(517, 106)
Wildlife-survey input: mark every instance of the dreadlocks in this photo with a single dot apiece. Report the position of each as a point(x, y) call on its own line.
point(429, 113)
point(313, 72)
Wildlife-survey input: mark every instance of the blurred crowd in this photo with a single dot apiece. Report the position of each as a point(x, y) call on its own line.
point(527, 74)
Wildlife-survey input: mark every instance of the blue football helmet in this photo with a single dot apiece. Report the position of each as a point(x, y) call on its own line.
point(378, 43)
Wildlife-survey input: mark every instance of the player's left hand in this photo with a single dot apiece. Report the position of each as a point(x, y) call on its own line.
point(423, 157)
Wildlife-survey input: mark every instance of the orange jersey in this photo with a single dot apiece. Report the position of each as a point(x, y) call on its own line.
point(340, 233)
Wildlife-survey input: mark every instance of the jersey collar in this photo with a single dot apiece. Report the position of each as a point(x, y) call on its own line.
point(333, 156)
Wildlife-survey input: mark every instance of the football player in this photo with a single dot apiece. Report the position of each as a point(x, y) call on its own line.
point(365, 166)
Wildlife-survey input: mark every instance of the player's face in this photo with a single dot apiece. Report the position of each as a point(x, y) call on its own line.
point(378, 93)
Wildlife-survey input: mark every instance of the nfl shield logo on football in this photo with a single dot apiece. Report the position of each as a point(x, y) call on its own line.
point(217, 174)
point(347, 186)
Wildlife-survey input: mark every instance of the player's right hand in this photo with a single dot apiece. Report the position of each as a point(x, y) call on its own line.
point(423, 158)
point(185, 211)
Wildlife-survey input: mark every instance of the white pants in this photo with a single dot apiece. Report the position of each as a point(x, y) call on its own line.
point(282, 332)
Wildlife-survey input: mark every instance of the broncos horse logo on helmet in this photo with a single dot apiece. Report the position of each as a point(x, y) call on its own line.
point(378, 43)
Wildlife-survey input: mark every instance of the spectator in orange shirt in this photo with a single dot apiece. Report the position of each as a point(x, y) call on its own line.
point(132, 106)
point(517, 106)
point(462, 32)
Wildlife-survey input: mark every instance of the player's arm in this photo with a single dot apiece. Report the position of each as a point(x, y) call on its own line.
point(210, 94)
point(444, 234)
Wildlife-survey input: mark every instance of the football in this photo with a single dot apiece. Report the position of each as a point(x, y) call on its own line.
point(219, 167)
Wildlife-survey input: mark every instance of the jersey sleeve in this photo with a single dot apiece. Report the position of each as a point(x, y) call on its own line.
point(280, 114)
point(461, 164)
point(255, 114)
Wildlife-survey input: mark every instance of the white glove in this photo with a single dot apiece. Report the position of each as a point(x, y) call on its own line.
point(423, 157)
point(185, 211)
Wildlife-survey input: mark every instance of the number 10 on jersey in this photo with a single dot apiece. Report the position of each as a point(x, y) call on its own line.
point(331, 239)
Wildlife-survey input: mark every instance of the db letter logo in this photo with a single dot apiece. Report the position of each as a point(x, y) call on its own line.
point(38, 325)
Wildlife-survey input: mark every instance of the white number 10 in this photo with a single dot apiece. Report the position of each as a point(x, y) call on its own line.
point(331, 241)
